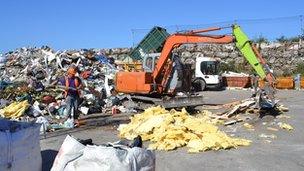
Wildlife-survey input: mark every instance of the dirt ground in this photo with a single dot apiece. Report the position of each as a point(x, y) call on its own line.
point(286, 152)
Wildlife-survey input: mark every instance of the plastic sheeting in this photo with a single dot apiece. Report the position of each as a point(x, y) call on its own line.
point(172, 129)
point(73, 156)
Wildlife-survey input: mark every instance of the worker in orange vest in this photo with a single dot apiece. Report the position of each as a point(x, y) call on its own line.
point(72, 92)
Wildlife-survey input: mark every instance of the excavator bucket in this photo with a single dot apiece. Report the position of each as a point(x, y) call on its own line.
point(244, 45)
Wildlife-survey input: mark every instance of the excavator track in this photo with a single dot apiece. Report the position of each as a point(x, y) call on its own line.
point(174, 102)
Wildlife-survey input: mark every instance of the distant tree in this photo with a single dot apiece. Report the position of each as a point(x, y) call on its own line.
point(294, 39)
point(282, 39)
point(261, 39)
point(229, 66)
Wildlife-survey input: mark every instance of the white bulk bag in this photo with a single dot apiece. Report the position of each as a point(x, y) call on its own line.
point(116, 158)
point(20, 146)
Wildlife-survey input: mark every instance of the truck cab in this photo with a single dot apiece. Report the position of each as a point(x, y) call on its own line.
point(207, 73)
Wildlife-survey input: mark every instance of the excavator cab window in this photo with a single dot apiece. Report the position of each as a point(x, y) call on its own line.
point(210, 67)
point(149, 63)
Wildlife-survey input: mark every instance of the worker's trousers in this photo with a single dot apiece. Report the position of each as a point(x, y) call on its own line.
point(72, 106)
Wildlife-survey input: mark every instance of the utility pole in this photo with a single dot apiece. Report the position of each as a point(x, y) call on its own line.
point(302, 30)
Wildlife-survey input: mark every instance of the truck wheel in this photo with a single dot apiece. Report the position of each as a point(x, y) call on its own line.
point(199, 85)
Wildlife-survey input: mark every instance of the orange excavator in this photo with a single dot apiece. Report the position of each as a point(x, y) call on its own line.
point(158, 80)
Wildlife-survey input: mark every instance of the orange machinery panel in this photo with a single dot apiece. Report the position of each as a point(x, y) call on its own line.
point(134, 82)
point(285, 83)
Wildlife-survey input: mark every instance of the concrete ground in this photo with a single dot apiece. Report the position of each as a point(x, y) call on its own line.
point(286, 152)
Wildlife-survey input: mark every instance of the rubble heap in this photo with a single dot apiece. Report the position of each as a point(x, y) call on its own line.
point(29, 76)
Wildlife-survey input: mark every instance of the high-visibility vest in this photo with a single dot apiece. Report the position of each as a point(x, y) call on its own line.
point(67, 85)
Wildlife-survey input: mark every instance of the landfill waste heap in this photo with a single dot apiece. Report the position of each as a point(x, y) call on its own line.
point(27, 92)
point(169, 130)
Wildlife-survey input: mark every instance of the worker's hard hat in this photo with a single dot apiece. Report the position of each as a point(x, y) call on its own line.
point(72, 71)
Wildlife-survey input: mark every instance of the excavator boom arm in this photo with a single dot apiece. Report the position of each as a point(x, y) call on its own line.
point(239, 38)
point(178, 39)
point(252, 55)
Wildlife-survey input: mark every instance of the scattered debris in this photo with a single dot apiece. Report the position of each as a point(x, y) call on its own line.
point(282, 116)
point(285, 126)
point(272, 129)
point(267, 141)
point(282, 108)
point(248, 126)
point(245, 104)
point(272, 136)
point(232, 122)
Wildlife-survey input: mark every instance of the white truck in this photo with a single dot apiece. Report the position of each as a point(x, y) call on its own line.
point(207, 73)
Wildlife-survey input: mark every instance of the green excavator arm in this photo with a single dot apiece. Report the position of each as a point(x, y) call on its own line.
point(244, 45)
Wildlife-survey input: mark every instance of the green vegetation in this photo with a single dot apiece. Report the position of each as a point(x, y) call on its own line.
point(299, 69)
point(234, 67)
point(284, 39)
point(230, 66)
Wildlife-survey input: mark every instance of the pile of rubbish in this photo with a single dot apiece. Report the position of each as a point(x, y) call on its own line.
point(31, 83)
point(172, 129)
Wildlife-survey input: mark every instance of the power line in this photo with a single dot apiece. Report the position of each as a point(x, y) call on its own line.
point(243, 21)
point(281, 22)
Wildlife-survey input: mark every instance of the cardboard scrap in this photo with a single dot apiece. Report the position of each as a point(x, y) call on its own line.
point(169, 130)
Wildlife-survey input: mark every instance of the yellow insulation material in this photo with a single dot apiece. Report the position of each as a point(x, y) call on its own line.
point(14, 110)
point(248, 126)
point(169, 130)
point(285, 126)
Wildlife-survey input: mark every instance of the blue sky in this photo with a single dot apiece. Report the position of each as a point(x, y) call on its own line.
point(67, 24)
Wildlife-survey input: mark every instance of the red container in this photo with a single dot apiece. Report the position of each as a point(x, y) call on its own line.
point(243, 82)
point(285, 83)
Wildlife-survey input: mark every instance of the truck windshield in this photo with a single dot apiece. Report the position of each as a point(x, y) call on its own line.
point(210, 67)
